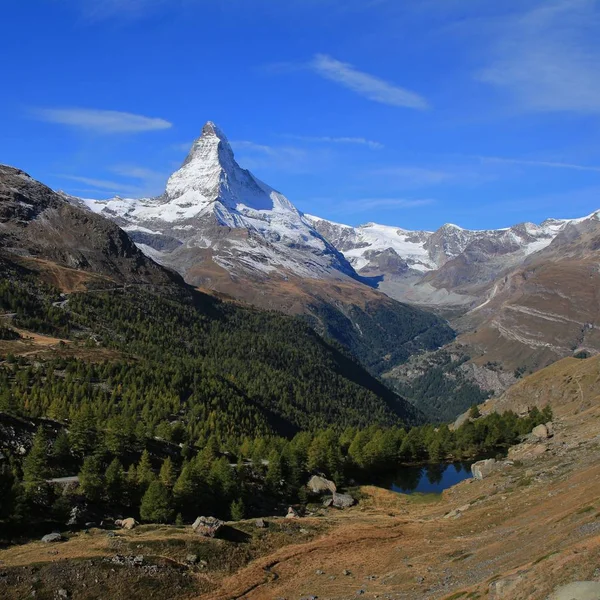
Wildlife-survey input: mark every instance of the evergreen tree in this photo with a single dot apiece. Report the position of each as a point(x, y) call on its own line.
point(35, 464)
point(156, 504)
point(167, 473)
point(115, 482)
point(91, 480)
point(237, 510)
point(145, 474)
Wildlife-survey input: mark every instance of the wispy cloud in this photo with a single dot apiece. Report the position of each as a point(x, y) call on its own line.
point(548, 57)
point(146, 181)
point(538, 163)
point(365, 84)
point(105, 185)
point(362, 205)
point(347, 75)
point(100, 121)
point(324, 139)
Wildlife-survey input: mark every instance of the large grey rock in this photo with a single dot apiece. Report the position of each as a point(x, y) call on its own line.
point(540, 432)
point(319, 485)
point(128, 523)
point(343, 500)
point(483, 468)
point(52, 537)
point(207, 526)
point(578, 590)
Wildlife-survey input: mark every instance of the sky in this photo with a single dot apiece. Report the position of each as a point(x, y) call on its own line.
point(409, 113)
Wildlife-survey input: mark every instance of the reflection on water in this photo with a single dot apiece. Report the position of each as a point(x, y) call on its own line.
point(429, 479)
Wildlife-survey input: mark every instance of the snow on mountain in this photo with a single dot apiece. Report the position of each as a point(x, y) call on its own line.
point(212, 204)
point(425, 251)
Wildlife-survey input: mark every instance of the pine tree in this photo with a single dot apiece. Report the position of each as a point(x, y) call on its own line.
point(35, 464)
point(145, 474)
point(237, 510)
point(156, 504)
point(115, 482)
point(167, 473)
point(91, 481)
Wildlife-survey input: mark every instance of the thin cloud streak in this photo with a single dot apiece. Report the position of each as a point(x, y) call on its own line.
point(538, 163)
point(107, 185)
point(337, 140)
point(100, 121)
point(366, 85)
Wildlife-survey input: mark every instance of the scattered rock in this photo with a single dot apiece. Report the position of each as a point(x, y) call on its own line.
point(319, 485)
point(505, 587)
point(62, 593)
point(292, 513)
point(527, 451)
point(128, 523)
point(52, 537)
point(191, 559)
point(578, 590)
point(550, 428)
point(260, 523)
point(540, 432)
point(346, 572)
point(483, 468)
point(207, 526)
point(343, 500)
point(328, 502)
point(319, 572)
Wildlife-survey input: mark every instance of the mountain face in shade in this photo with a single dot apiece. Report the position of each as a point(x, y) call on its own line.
point(40, 230)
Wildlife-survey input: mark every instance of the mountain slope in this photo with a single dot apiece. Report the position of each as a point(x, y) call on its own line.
point(38, 227)
point(166, 353)
point(224, 230)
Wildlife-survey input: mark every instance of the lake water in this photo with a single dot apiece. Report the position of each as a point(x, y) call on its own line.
point(429, 479)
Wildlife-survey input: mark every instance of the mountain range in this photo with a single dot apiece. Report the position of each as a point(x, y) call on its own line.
point(481, 307)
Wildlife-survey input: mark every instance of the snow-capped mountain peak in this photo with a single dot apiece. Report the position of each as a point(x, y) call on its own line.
point(211, 202)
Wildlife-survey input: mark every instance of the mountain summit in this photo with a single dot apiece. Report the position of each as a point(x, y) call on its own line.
point(212, 209)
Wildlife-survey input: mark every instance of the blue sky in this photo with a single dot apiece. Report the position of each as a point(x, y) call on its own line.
point(410, 113)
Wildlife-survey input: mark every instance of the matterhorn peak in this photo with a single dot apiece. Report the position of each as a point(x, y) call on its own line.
point(211, 129)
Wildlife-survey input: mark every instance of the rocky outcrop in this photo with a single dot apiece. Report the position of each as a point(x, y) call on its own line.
point(483, 468)
point(319, 485)
point(343, 500)
point(207, 526)
point(578, 590)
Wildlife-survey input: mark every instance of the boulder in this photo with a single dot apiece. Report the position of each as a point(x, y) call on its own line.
point(505, 587)
point(292, 513)
point(540, 432)
point(343, 500)
point(260, 523)
point(207, 526)
point(328, 502)
point(578, 590)
point(550, 428)
point(52, 537)
point(191, 559)
point(483, 468)
point(128, 523)
point(319, 485)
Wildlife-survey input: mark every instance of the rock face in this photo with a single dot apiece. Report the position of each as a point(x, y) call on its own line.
point(483, 468)
point(343, 500)
point(207, 526)
point(39, 224)
point(319, 485)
